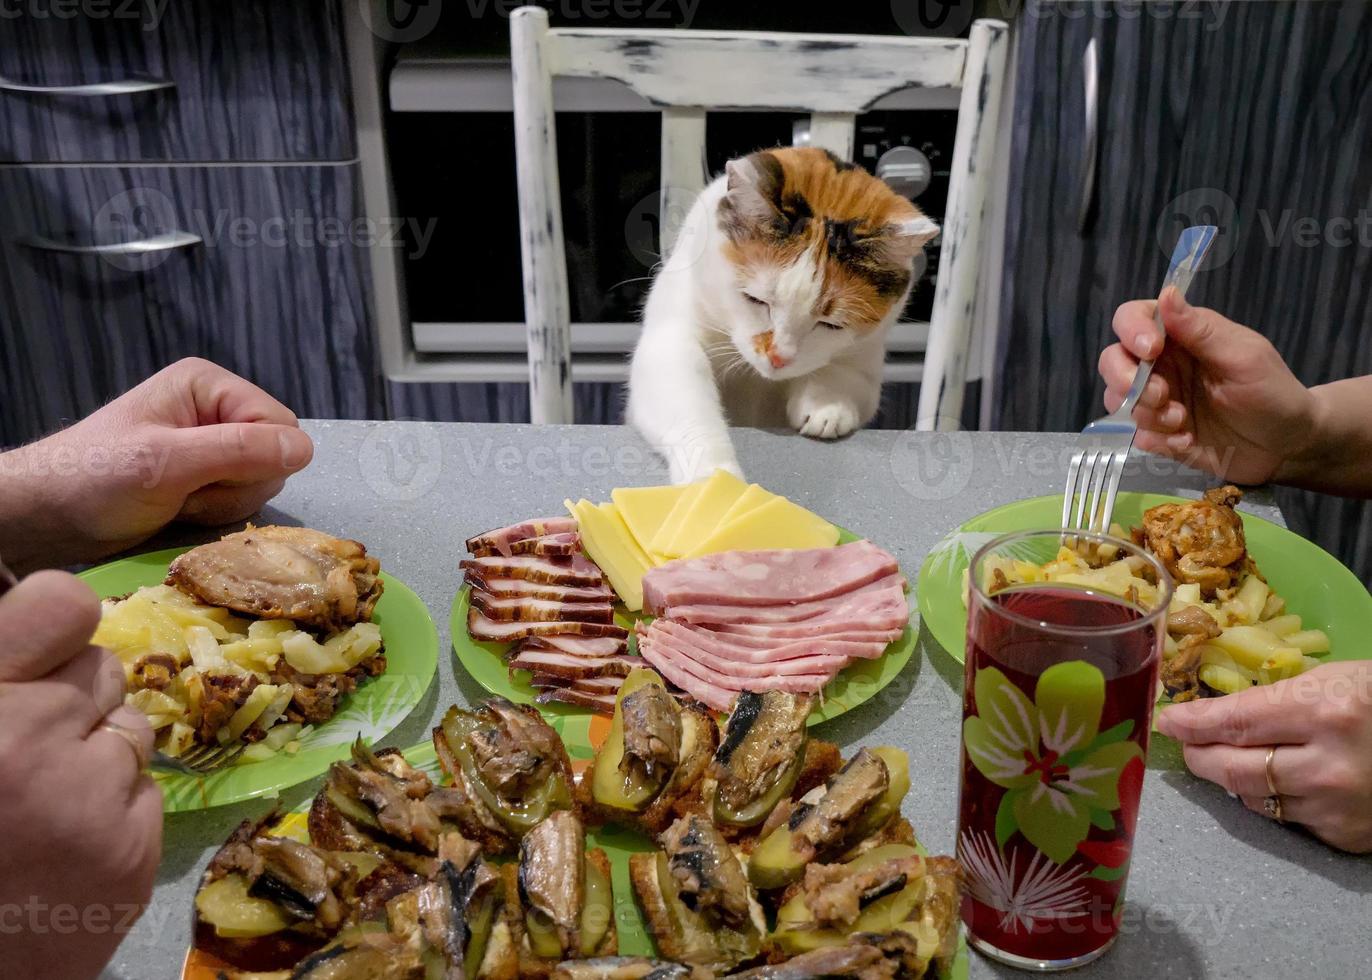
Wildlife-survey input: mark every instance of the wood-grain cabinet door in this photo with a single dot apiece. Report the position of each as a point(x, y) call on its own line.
point(276, 287)
point(1256, 117)
point(186, 80)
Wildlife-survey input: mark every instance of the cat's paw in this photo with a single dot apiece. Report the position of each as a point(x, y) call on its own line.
point(823, 419)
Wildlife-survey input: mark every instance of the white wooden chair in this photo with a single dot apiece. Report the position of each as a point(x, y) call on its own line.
point(832, 76)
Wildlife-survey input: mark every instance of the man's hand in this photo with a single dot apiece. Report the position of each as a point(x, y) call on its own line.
point(1321, 724)
point(80, 825)
point(1220, 397)
point(194, 442)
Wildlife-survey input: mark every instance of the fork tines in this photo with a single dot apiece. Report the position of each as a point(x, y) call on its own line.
point(1093, 481)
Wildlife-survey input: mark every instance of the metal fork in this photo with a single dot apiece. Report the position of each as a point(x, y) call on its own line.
point(198, 761)
point(1093, 476)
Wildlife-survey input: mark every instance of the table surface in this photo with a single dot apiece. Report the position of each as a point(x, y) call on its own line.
point(1215, 891)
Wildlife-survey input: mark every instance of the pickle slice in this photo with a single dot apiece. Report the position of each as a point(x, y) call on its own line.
point(226, 905)
point(610, 785)
point(598, 911)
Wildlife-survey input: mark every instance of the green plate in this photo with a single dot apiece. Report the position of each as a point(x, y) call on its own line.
point(1315, 585)
point(377, 707)
point(617, 843)
point(485, 662)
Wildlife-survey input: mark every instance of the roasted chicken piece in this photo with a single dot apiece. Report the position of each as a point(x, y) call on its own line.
point(278, 572)
point(1199, 542)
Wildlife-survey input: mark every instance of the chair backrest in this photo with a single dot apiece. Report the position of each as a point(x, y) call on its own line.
point(687, 73)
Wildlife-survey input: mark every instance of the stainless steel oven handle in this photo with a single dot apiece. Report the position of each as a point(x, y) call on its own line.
point(1090, 77)
point(93, 90)
point(168, 242)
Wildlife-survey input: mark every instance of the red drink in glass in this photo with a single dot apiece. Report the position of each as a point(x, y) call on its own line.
point(1058, 700)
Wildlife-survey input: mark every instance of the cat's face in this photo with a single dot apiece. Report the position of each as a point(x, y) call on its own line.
point(822, 253)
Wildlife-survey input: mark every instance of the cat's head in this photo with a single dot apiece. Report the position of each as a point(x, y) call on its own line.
point(822, 254)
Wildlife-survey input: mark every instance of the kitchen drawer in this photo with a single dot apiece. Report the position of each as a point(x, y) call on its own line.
point(248, 80)
point(277, 289)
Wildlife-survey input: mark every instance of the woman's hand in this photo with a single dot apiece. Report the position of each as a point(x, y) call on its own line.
point(194, 442)
point(1220, 396)
point(1321, 724)
point(80, 823)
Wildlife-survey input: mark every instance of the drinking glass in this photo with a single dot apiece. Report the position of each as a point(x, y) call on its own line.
point(1057, 708)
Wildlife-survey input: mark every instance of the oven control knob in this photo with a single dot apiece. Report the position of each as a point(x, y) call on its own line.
point(906, 169)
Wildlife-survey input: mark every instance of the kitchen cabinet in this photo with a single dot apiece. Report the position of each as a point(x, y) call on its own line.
point(205, 80)
point(272, 290)
point(1252, 116)
point(237, 156)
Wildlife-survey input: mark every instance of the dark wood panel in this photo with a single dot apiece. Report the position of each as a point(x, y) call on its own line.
point(1257, 122)
point(255, 80)
point(275, 293)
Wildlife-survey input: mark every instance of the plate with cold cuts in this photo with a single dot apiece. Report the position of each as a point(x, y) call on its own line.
point(720, 586)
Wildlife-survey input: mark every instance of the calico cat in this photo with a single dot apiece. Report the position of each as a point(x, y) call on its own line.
point(773, 307)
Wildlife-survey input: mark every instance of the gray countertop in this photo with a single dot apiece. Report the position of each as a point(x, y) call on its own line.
point(1215, 890)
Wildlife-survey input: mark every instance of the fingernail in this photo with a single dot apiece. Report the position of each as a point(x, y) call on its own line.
point(1179, 442)
point(1145, 343)
point(1178, 300)
point(1164, 723)
point(295, 448)
point(1171, 415)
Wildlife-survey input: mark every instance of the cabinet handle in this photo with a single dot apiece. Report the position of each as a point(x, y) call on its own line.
point(168, 242)
point(94, 90)
point(1090, 78)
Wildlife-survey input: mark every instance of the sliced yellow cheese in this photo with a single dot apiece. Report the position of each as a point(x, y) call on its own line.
point(672, 522)
point(778, 523)
point(607, 540)
point(645, 508)
point(753, 498)
point(715, 498)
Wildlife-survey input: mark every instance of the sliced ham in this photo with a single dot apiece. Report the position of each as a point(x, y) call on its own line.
point(553, 545)
point(484, 628)
point(887, 617)
point(518, 588)
point(714, 689)
point(849, 642)
point(578, 646)
point(542, 610)
point(875, 594)
point(554, 663)
point(725, 647)
point(695, 644)
point(498, 542)
point(602, 704)
point(706, 692)
point(576, 570)
point(765, 578)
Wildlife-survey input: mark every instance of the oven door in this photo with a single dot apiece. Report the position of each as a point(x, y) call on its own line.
point(454, 174)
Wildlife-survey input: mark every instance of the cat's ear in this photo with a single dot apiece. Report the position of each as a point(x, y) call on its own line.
point(753, 186)
point(897, 243)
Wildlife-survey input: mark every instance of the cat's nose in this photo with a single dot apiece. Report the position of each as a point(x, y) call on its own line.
point(763, 344)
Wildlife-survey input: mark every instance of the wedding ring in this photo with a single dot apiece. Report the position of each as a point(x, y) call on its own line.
point(1271, 805)
point(140, 752)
